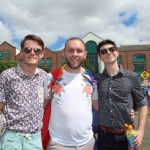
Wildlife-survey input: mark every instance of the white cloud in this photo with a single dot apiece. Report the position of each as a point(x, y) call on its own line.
point(5, 32)
point(51, 19)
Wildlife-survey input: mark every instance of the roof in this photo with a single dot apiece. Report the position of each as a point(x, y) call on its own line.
point(8, 44)
point(134, 47)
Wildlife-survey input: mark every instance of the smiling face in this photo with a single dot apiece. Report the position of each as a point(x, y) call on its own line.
point(111, 56)
point(74, 54)
point(31, 58)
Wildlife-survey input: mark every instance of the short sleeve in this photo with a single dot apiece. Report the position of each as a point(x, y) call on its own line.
point(95, 93)
point(47, 81)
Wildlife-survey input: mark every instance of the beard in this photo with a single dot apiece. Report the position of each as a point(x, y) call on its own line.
point(76, 65)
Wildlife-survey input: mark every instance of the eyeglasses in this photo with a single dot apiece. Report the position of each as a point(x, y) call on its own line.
point(28, 50)
point(105, 50)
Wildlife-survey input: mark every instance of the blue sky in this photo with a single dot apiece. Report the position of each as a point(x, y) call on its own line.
point(125, 22)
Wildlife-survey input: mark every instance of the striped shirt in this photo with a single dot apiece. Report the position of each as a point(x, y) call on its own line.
point(115, 95)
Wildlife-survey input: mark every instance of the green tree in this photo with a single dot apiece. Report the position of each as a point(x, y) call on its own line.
point(47, 69)
point(86, 65)
point(4, 65)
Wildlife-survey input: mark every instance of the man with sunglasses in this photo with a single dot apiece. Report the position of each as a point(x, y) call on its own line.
point(21, 91)
point(116, 88)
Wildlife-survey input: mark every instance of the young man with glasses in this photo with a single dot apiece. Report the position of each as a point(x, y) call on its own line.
point(21, 91)
point(116, 88)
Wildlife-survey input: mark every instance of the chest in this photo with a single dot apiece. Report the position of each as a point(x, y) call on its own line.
point(115, 86)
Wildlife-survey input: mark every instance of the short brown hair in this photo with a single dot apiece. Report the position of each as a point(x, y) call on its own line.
point(104, 42)
point(34, 38)
point(73, 38)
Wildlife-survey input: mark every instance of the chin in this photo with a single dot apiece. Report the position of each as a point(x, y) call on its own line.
point(32, 63)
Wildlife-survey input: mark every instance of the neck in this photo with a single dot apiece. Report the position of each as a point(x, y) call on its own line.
point(112, 69)
point(78, 70)
point(28, 69)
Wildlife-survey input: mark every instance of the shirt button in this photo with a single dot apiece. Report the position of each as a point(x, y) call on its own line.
point(110, 99)
point(110, 88)
point(111, 111)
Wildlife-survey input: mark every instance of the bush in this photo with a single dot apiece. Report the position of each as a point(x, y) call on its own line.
point(47, 69)
point(86, 65)
point(4, 65)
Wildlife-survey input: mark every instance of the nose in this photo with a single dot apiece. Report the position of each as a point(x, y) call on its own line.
point(32, 51)
point(75, 52)
point(108, 52)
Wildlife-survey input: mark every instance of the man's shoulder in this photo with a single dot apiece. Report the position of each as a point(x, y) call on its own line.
point(98, 75)
point(130, 73)
point(8, 72)
point(41, 71)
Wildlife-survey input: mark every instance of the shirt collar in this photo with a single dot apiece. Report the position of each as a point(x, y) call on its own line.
point(121, 71)
point(21, 73)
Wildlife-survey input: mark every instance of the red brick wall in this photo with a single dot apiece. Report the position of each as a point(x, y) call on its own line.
point(127, 59)
point(59, 59)
point(5, 47)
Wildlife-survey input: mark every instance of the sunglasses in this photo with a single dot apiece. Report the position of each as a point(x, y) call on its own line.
point(105, 50)
point(28, 50)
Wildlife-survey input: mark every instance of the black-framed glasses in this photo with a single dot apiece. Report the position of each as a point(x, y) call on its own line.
point(28, 50)
point(105, 50)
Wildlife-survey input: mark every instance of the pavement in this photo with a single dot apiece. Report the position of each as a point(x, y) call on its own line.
point(146, 140)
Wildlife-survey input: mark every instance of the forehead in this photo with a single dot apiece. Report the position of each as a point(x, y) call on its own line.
point(32, 44)
point(75, 44)
point(106, 46)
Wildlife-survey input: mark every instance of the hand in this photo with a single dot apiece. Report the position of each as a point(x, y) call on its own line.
point(132, 114)
point(138, 138)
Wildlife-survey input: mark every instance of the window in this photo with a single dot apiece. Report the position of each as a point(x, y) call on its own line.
point(20, 60)
point(119, 59)
point(49, 62)
point(7, 54)
point(91, 47)
point(42, 62)
point(92, 54)
point(63, 61)
point(1, 55)
point(93, 59)
point(138, 58)
point(138, 69)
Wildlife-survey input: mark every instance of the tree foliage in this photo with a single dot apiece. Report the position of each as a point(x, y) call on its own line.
point(47, 69)
point(86, 65)
point(4, 65)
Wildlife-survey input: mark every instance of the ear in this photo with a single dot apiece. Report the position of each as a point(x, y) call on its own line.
point(117, 53)
point(63, 53)
point(41, 55)
point(99, 57)
point(21, 53)
point(85, 54)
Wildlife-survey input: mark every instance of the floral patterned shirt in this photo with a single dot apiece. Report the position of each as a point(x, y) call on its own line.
point(71, 111)
point(24, 98)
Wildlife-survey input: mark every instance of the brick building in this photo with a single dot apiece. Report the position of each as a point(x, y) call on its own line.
point(132, 57)
point(8, 52)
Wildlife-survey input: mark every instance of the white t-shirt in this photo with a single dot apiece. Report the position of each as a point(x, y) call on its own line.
point(71, 111)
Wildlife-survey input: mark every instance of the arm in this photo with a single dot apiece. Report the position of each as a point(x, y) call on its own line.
point(46, 102)
point(132, 113)
point(142, 116)
point(95, 104)
point(2, 107)
point(142, 110)
point(2, 92)
point(47, 91)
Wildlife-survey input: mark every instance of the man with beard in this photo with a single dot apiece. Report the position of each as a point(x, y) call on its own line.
point(70, 124)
